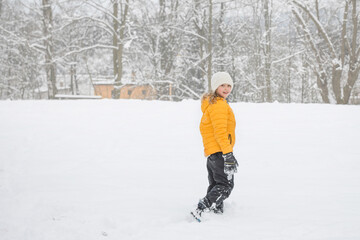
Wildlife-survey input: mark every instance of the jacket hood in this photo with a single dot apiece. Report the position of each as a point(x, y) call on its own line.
point(205, 103)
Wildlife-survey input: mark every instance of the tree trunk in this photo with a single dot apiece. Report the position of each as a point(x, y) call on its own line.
point(74, 82)
point(322, 84)
point(289, 68)
point(354, 67)
point(222, 36)
point(259, 80)
point(48, 43)
point(209, 72)
point(121, 42)
point(115, 39)
point(267, 51)
point(1, 3)
point(118, 42)
point(200, 71)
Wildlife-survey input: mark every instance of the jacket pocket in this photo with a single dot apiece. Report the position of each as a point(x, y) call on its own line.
point(230, 138)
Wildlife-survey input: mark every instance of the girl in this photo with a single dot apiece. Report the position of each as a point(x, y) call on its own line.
point(217, 129)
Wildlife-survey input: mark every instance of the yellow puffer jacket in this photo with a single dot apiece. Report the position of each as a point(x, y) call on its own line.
point(217, 127)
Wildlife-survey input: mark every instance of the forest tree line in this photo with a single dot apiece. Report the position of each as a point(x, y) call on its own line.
point(303, 51)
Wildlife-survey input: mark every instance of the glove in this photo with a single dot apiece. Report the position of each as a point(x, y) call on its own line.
point(230, 164)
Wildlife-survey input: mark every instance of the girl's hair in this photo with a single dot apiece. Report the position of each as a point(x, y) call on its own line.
point(211, 96)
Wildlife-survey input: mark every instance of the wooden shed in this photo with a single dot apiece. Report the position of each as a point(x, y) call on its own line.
point(103, 89)
point(132, 91)
point(128, 91)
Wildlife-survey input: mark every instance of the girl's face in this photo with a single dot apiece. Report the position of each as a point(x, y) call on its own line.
point(224, 90)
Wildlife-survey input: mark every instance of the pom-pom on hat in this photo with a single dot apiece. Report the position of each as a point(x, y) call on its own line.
point(220, 78)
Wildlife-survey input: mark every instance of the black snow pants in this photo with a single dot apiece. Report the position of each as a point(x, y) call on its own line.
point(219, 186)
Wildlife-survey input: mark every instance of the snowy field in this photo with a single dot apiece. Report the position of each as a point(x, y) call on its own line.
point(105, 169)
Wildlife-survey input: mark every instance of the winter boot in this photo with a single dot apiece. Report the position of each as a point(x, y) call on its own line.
point(203, 205)
point(218, 209)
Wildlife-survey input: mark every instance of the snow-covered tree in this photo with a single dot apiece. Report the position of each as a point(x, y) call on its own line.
point(48, 46)
point(304, 51)
point(335, 59)
point(19, 68)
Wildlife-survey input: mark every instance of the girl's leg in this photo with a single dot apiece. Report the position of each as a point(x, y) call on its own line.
point(221, 187)
point(211, 179)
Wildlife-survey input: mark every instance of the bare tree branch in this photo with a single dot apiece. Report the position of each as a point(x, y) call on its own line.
point(319, 27)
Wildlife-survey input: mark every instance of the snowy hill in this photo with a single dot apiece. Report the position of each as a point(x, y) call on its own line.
point(86, 170)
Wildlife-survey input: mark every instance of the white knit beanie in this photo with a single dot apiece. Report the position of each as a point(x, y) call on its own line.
point(220, 78)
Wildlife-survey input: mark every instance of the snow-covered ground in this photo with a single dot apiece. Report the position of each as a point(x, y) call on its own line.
point(104, 169)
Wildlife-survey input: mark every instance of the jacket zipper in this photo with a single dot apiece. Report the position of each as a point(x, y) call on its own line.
point(230, 138)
